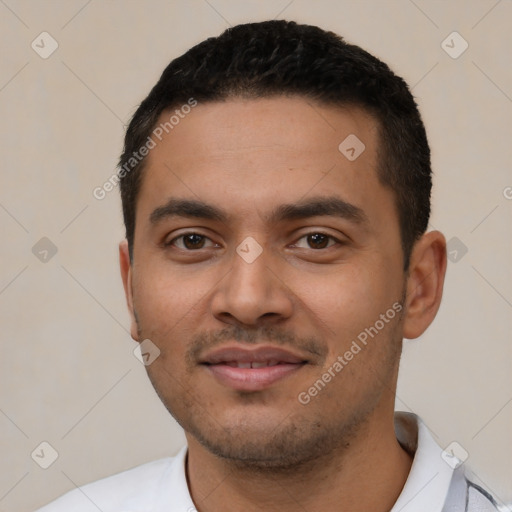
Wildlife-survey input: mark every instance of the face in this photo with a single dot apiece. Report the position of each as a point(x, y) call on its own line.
point(261, 255)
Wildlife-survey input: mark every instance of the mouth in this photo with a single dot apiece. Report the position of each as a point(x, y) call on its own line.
point(253, 364)
point(252, 370)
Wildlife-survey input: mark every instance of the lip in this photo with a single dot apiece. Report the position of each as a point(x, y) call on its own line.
point(222, 365)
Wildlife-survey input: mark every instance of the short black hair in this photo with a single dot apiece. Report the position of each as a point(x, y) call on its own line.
point(273, 58)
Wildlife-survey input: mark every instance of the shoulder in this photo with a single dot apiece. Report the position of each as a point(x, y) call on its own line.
point(479, 500)
point(129, 488)
point(464, 495)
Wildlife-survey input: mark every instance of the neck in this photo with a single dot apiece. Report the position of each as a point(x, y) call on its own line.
point(366, 474)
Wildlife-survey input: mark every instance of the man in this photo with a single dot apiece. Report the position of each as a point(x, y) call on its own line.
point(276, 194)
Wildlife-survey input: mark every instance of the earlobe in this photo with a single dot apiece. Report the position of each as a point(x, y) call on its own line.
point(424, 283)
point(126, 275)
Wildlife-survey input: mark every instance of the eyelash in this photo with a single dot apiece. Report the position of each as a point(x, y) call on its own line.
point(171, 242)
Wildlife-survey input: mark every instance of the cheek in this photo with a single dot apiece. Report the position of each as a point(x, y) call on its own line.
point(344, 303)
point(350, 293)
point(164, 298)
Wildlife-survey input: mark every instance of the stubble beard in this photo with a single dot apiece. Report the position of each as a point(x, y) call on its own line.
point(303, 440)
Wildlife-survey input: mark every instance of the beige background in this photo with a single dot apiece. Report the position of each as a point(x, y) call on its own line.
point(68, 374)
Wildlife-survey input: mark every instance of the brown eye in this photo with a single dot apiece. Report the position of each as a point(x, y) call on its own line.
point(189, 241)
point(318, 240)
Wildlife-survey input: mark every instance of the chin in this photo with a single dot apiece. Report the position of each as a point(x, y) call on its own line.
point(288, 443)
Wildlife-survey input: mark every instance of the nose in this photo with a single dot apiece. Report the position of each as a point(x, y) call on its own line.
point(252, 293)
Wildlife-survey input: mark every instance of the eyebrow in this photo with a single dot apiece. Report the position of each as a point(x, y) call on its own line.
point(332, 206)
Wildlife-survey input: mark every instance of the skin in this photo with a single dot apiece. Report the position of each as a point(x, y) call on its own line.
point(313, 295)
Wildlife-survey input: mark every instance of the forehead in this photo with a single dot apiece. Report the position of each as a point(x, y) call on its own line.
point(254, 153)
point(294, 124)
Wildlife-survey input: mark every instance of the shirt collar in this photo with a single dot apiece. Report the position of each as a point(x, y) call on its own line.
point(426, 487)
point(429, 480)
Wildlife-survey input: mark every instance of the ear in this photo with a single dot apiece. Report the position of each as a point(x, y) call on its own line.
point(424, 283)
point(126, 275)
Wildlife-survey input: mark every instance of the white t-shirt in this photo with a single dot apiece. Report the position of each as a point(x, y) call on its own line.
point(436, 482)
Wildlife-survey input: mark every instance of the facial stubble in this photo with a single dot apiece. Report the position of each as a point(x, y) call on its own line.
point(300, 438)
